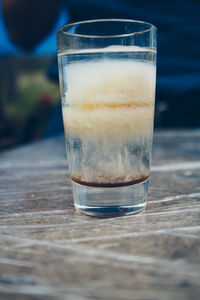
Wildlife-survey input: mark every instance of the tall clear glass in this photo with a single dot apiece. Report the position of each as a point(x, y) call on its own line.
point(107, 72)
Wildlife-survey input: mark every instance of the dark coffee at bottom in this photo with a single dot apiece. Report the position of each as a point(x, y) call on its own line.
point(104, 182)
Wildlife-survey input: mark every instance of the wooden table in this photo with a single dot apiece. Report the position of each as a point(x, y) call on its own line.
point(48, 251)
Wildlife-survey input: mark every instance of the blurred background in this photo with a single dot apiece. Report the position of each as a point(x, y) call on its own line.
point(29, 91)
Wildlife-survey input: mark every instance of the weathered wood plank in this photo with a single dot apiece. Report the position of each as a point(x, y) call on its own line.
point(48, 251)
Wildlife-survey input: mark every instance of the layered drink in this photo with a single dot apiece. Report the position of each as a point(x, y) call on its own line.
point(108, 111)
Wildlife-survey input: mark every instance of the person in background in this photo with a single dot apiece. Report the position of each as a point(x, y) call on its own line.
point(178, 64)
point(178, 81)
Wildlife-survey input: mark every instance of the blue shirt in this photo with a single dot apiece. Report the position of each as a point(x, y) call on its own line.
point(178, 64)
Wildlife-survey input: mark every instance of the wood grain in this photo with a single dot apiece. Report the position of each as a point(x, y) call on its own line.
point(48, 251)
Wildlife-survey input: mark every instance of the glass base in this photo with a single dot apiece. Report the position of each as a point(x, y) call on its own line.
point(110, 202)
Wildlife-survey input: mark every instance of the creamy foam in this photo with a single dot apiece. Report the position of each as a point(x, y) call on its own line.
point(109, 99)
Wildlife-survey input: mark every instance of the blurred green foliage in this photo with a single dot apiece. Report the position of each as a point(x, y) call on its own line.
point(29, 89)
point(27, 99)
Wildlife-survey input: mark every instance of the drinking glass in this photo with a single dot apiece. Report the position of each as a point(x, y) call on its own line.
point(107, 74)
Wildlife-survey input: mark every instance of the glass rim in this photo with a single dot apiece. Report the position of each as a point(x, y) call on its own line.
point(61, 29)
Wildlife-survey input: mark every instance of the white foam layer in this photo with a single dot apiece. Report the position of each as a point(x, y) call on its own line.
point(110, 98)
point(110, 82)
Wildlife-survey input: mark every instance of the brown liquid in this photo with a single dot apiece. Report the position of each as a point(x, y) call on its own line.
point(105, 183)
